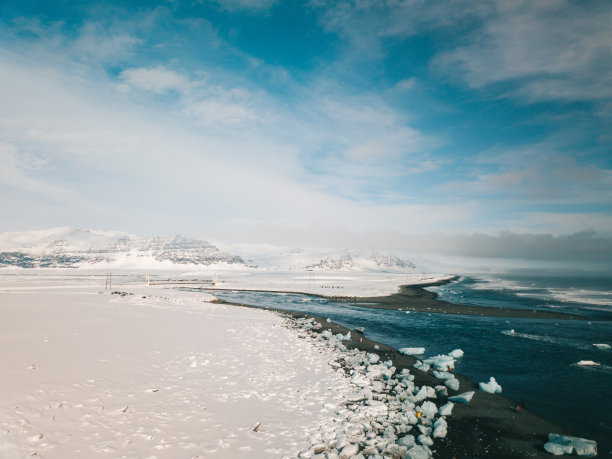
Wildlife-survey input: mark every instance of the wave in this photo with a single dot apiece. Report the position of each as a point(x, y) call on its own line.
point(549, 339)
point(600, 297)
point(573, 295)
point(597, 367)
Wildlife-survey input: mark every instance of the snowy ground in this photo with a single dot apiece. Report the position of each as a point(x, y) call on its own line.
point(88, 374)
point(353, 284)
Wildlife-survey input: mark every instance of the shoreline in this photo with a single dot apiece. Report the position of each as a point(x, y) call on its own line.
point(486, 427)
point(415, 298)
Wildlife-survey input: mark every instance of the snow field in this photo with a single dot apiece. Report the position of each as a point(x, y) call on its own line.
point(164, 376)
point(329, 284)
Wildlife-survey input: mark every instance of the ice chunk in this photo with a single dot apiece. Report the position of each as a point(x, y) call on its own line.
point(441, 391)
point(587, 363)
point(428, 409)
point(407, 441)
point(456, 353)
point(421, 366)
point(373, 358)
point(426, 392)
point(327, 334)
point(412, 350)
point(446, 410)
point(559, 444)
point(425, 440)
point(440, 428)
point(491, 387)
point(441, 362)
point(465, 397)
point(601, 346)
point(558, 450)
point(443, 375)
point(452, 383)
point(348, 451)
point(418, 452)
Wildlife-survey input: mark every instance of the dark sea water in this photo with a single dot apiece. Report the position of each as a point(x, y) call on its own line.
point(533, 360)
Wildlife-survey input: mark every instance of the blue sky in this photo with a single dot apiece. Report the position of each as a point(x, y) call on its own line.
point(379, 124)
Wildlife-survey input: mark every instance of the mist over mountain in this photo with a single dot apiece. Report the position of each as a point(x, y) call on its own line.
point(75, 248)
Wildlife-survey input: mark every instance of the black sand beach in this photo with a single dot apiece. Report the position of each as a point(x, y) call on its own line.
point(487, 427)
point(416, 298)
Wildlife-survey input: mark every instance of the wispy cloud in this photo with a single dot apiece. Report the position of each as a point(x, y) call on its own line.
point(245, 5)
point(157, 79)
point(537, 173)
point(19, 170)
point(551, 50)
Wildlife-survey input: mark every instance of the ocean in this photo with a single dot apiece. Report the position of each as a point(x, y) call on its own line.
point(533, 360)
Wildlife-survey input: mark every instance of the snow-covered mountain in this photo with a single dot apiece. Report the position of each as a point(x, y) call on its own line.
point(320, 259)
point(363, 261)
point(73, 248)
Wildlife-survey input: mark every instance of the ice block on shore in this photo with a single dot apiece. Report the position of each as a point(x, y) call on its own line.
point(492, 387)
point(560, 444)
point(412, 350)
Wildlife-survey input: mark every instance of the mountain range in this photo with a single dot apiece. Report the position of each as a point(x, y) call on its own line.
point(75, 248)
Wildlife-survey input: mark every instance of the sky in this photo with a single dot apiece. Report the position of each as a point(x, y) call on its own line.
point(473, 128)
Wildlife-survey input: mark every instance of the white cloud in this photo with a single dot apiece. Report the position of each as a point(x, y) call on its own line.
point(156, 79)
point(365, 24)
point(17, 172)
point(248, 5)
point(406, 84)
point(99, 44)
point(550, 49)
point(137, 169)
point(536, 173)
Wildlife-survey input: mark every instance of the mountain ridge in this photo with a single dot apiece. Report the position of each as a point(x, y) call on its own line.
point(66, 247)
point(73, 248)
